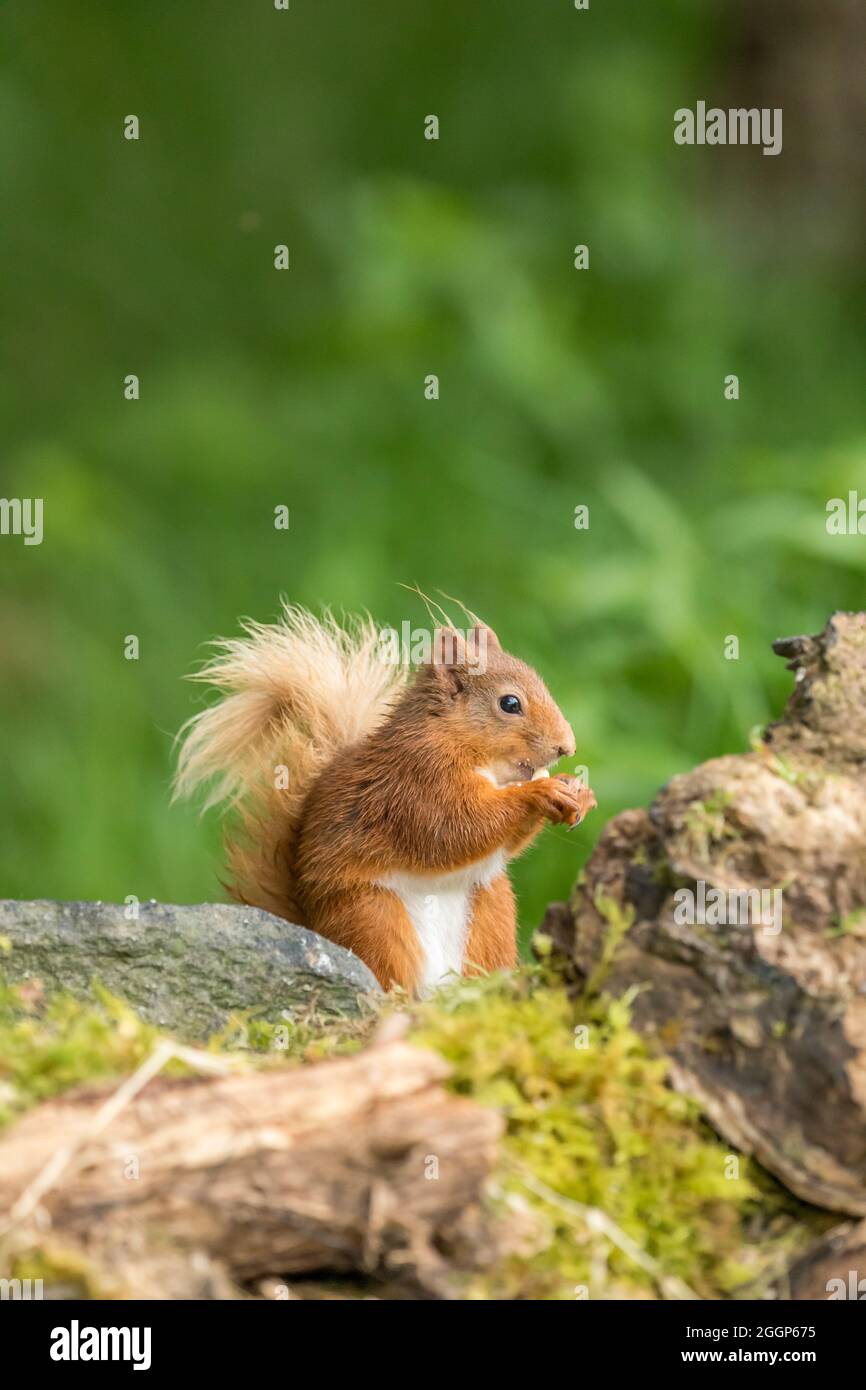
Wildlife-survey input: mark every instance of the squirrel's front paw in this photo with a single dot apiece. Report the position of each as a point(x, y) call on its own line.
point(569, 799)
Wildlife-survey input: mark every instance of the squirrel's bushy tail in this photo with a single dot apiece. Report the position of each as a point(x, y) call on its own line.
point(294, 693)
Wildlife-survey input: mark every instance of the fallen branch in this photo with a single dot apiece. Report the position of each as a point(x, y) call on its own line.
point(361, 1164)
point(55, 1165)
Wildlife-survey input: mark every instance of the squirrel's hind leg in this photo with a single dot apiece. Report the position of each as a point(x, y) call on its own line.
point(492, 940)
point(374, 924)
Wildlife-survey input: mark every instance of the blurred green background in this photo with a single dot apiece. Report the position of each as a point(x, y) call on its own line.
point(559, 387)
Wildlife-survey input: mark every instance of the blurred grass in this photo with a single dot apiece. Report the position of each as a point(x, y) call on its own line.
point(306, 388)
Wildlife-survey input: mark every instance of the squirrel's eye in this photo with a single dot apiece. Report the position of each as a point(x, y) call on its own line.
point(510, 704)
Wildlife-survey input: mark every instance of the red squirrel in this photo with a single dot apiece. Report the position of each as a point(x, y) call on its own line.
point(377, 806)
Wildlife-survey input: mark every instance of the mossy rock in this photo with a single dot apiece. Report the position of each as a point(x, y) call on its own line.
point(186, 969)
point(762, 1013)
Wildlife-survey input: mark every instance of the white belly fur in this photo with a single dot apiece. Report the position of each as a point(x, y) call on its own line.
point(440, 909)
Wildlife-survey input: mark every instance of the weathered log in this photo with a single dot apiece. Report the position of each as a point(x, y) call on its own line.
point(833, 1269)
point(763, 1012)
point(360, 1164)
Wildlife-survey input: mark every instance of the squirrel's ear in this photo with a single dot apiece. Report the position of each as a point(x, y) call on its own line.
point(453, 653)
point(481, 640)
point(485, 637)
point(449, 648)
point(448, 662)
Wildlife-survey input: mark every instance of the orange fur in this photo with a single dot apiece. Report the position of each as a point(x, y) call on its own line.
point(385, 777)
point(294, 693)
point(374, 924)
point(492, 942)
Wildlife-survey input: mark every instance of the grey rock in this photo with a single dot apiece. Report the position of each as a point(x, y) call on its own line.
point(183, 968)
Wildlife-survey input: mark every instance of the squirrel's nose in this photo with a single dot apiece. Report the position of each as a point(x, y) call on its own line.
point(567, 749)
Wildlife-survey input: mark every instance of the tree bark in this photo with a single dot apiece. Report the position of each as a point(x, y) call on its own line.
point(763, 1013)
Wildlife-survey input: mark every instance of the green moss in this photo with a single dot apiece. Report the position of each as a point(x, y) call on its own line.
point(620, 918)
point(706, 823)
point(851, 924)
point(310, 1037)
point(47, 1047)
point(589, 1117)
point(64, 1271)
